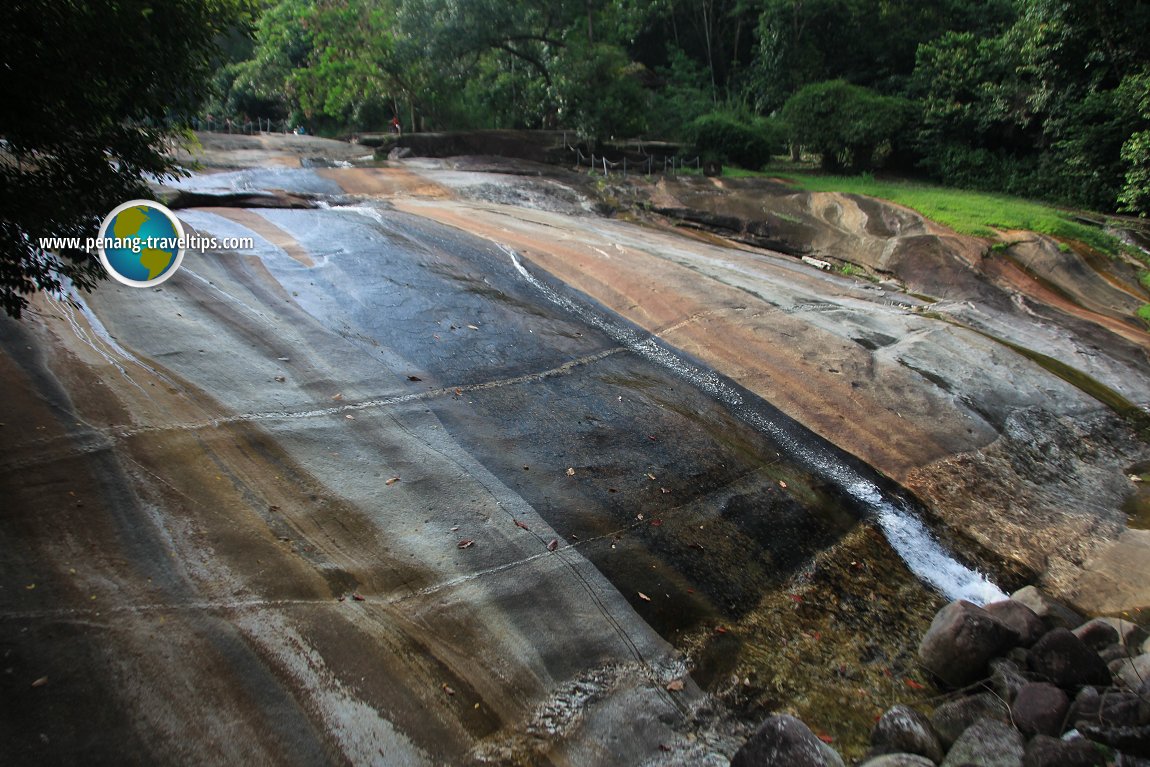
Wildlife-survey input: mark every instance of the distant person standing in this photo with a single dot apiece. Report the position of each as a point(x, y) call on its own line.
point(395, 126)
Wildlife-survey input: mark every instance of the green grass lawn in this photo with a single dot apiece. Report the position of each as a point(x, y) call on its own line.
point(966, 212)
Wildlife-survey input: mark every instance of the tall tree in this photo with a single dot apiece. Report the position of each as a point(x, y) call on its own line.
point(95, 92)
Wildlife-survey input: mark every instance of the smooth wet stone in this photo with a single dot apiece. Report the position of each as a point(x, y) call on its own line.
point(953, 718)
point(1109, 707)
point(1040, 709)
point(784, 741)
point(903, 730)
point(987, 743)
point(1130, 634)
point(1097, 634)
point(1045, 751)
point(1006, 678)
point(961, 639)
point(1062, 659)
point(1132, 671)
point(898, 760)
point(1052, 612)
point(1019, 617)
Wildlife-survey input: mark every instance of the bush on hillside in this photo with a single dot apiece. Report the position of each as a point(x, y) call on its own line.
point(845, 123)
point(726, 138)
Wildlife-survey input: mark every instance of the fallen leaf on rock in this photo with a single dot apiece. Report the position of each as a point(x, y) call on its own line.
point(650, 476)
point(391, 481)
point(656, 523)
point(554, 544)
point(721, 629)
point(280, 379)
point(824, 737)
point(570, 471)
point(644, 597)
point(915, 685)
point(40, 682)
point(782, 484)
point(337, 397)
point(696, 546)
point(447, 688)
point(273, 509)
point(664, 490)
point(350, 417)
point(414, 378)
point(459, 392)
point(795, 597)
point(473, 327)
point(520, 524)
point(675, 685)
point(466, 543)
point(455, 529)
point(358, 597)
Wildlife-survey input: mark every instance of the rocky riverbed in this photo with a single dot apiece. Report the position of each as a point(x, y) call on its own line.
point(474, 459)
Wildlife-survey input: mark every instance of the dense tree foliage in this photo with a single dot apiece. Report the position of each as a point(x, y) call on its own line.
point(1040, 97)
point(94, 93)
point(846, 124)
point(1044, 98)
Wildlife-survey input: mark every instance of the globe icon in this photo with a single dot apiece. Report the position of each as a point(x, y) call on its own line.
point(141, 243)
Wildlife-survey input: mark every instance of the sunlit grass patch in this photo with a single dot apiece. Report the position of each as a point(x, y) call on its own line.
point(975, 213)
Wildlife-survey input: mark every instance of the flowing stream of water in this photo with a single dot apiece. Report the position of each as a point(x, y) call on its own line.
point(906, 532)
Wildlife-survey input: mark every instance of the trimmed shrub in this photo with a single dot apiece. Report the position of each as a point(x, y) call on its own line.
point(845, 123)
point(724, 137)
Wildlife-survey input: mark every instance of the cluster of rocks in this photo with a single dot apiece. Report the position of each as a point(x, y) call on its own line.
point(1035, 685)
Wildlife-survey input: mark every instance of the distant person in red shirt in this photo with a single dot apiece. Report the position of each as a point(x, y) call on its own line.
point(395, 127)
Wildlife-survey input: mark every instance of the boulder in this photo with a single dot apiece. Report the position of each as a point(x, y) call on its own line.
point(952, 718)
point(1132, 671)
point(987, 743)
point(898, 760)
point(1006, 678)
point(1097, 634)
point(1052, 612)
point(961, 639)
point(1110, 707)
point(1044, 751)
point(1040, 709)
point(1062, 659)
point(1130, 741)
point(783, 741)
point(1113, 652)
point(1019, 617)
point(1130, 634)
point(903, 730)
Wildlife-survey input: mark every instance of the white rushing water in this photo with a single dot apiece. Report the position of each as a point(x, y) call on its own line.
point(907, 534)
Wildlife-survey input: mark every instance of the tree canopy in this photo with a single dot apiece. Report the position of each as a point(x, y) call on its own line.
point(94, 93)
point(1044, 98)
point(1040, 97)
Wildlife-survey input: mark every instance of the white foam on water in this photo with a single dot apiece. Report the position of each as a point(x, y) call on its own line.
point(907, 534)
